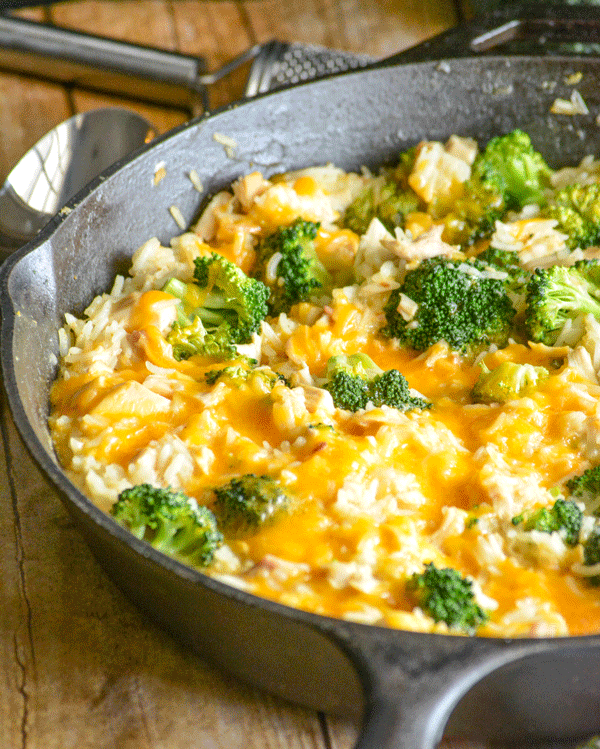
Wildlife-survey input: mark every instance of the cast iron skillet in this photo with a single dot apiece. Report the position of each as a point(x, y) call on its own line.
point(408, 686)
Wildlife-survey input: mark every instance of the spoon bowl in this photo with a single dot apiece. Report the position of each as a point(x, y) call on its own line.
point(63, 162)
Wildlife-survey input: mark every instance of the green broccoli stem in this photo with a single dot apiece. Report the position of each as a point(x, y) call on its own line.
point(178, 289)
point(575, 298)
point(213, 316)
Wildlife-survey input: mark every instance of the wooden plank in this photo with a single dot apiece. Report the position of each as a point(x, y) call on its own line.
point(139, 21)
point(218, 32)
point(201, 28)
point(15, 645)
point(377, 29)
point(28, 109)
point(84, 669)
point(147, 22)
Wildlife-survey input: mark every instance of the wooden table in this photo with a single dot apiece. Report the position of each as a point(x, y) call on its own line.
point(81, 667)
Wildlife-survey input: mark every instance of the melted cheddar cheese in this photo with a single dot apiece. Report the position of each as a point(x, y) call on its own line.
point(376, 493)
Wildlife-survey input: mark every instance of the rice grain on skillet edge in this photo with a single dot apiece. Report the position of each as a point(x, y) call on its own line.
point(394, 490)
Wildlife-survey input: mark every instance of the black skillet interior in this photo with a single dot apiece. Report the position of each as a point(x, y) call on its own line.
point(408, 682)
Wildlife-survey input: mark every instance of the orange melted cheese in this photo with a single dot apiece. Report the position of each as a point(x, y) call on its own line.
point(375, 496)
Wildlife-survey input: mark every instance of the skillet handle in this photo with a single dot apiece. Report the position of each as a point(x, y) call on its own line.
point(532, 29)
point(413, 682)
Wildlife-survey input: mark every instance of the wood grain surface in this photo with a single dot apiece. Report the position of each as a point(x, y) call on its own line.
point(81, 667)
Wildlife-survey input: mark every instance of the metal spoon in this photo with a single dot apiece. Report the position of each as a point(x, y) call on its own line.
point(60, 164)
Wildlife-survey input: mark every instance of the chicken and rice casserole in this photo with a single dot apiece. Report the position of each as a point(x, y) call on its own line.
point(411, 406)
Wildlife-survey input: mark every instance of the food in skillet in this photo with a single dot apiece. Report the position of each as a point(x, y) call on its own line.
point(374, 397)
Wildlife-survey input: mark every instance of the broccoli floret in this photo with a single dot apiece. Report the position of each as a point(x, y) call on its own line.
point(591, 549)
point(170, 521)
point(591, 554)
point(388, 198)
point(391, 389)
point(356, 380)
point(586, 488)
point(405, 166)
point(447, 596)
point(246, 504)
point(474, 214)
point(231, 296)
point(507, 381)
point(564, 517)
point(236, 372)
point(384, 199)
point(193, 338)
point(244, 371)
point(507, 175)
point(558, 293)
point(457, 302)
point(320, 427)
point(223, 308)
point(506, 261)
point(517, 277)
point(577, 210)
point(348, 379)
point(510, 166)
point(288, 264)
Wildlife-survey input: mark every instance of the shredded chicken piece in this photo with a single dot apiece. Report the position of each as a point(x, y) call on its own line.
point(247, 188)
point(428, 244)
point(537, 241)
point(591, 253)
point(407, 307)
point(463, 148)
point(580, 359)
point(590, 438)
point(318, 399)
point(437, 174)
point(206, 226)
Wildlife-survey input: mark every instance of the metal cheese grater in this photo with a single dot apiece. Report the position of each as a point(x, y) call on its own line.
point(278, 64)
point(151, 74)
